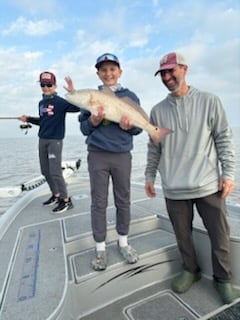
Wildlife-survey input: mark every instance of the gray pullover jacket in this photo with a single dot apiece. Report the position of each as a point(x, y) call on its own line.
point(199, 151)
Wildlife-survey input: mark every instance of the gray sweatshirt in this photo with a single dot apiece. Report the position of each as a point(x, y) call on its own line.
point(199, 151)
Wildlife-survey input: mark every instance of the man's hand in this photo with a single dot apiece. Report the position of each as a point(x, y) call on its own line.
point(150, 190)
point(226, 186)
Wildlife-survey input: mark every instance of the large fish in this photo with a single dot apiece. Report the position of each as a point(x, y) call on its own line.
point(115, 108)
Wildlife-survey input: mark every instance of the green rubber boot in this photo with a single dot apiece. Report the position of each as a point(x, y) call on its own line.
point(184, 281)
point(226, 291)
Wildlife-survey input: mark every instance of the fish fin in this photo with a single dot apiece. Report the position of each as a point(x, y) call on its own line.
point(159, 133)
point(128, 100)
point(108, 91)
point(136, 106)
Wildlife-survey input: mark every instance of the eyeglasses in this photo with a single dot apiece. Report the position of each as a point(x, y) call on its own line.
point(49, 85)
point(107, 57)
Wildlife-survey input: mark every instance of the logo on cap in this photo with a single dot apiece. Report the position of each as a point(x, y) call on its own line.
point(46, 76)
point(164, 60)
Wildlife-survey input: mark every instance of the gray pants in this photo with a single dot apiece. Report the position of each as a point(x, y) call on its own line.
point(101, 166)
point(212, 210)
point(50, 156)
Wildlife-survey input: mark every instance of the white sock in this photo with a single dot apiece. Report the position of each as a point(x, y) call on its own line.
point(101, 246)
point(122, 241)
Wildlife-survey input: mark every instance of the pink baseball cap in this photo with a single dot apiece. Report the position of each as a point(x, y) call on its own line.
point(170, 61)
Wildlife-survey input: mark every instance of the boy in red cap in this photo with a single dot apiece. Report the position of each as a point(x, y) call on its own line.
point(51, 122)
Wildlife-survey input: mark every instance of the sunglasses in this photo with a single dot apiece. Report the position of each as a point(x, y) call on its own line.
point(107, 57)
point(49, 85)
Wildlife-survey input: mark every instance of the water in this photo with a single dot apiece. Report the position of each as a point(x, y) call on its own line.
point(19, 161)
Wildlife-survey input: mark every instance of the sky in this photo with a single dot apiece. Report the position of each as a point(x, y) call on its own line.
point(66, 37)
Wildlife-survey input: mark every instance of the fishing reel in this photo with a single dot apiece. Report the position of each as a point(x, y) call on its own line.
point(25, 127)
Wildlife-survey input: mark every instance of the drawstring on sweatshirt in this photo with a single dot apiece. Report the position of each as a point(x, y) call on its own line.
point(181, 114)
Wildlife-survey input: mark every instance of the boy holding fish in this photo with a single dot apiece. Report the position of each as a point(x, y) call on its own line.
point(109, 156)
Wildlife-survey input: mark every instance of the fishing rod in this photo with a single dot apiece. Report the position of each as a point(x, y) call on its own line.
point(8, 118)
point(24, 126)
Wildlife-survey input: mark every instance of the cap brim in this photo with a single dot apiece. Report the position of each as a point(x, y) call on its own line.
point(165, 67)
point(44, 81)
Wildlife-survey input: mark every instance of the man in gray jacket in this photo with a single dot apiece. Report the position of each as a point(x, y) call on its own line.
point(196, 163)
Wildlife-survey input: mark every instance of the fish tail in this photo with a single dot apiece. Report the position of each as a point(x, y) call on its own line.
point(158, 133)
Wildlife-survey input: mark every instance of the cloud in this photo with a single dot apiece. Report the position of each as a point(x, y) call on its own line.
point(140, 36)
point(139, 33)
point(36, 29)
point(33, 7)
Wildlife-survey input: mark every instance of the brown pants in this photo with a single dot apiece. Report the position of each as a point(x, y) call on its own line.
point(212, 210)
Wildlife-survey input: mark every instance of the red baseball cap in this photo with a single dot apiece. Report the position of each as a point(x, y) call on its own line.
point(170, 60)
point(47, 77)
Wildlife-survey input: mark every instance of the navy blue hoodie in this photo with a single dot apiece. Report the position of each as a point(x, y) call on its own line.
point(52, 113)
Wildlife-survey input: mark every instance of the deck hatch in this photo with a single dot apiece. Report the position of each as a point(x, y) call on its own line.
point(164, 305)
point(230, 313)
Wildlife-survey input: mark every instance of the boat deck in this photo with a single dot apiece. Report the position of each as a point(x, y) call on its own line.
point(45, 268)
